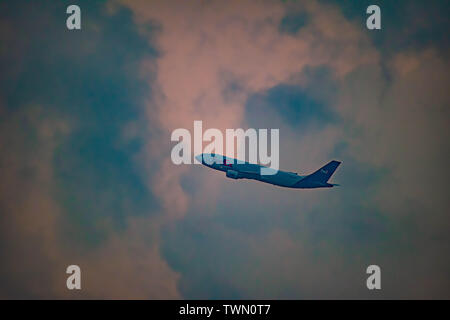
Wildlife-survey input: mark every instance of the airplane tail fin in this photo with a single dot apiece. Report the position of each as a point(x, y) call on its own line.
point(324, 173)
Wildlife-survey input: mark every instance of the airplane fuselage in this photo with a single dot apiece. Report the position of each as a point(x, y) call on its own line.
point(235, 169)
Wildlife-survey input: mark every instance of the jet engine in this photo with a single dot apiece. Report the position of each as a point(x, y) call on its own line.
point(232, 174)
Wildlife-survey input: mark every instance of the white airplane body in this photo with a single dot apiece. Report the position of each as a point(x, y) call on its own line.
point(238, 169)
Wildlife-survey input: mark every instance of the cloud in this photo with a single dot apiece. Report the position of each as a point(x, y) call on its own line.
point(69, 193)
point(208, 48)
point(126, 265)
point(76, 165)
point(402, 124)
point(214, 57)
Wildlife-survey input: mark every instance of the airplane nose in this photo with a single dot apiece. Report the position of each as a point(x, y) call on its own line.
point(199, 158)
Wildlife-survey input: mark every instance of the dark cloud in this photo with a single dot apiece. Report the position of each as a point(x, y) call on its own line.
point(406, 24)
point(71, 103)
point(85, 123)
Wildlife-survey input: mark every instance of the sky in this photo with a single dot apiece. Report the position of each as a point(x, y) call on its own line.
point(87, 179)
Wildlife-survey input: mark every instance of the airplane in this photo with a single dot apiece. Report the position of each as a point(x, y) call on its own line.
point(238, 169)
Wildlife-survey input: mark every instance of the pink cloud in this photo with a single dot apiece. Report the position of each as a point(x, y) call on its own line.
point(208, 46)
